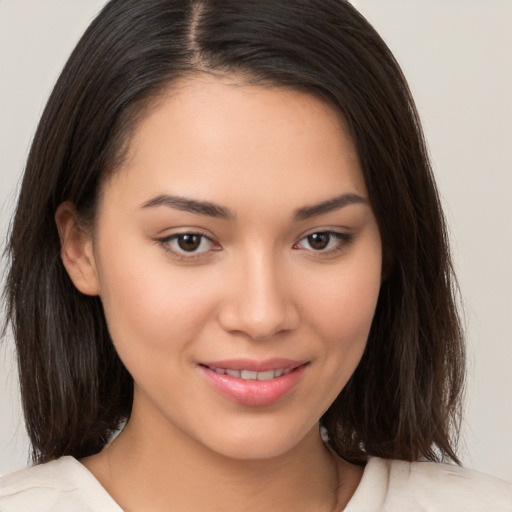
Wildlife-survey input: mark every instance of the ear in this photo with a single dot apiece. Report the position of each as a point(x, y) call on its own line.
point(77, 250)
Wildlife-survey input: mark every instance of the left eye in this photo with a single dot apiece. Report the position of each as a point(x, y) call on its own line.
point(323, 241)
point(192, 243)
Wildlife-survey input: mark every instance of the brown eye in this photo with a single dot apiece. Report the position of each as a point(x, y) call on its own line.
point(324, 242)
point(188, 245)
point(319, 241)
point(189, 242)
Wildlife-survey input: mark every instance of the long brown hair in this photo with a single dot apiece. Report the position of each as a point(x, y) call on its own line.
point(403, 401)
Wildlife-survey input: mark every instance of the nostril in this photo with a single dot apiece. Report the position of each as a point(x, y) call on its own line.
point(258, 328)
point(259, 305)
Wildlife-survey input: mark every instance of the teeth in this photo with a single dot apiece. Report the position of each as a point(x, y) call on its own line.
point(248, 375)
point(252, 375)
point(270, 374)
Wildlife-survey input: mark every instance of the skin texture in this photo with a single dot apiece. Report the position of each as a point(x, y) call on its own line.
point(255, 289)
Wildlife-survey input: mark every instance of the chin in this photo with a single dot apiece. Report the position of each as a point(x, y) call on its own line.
point(258, 443)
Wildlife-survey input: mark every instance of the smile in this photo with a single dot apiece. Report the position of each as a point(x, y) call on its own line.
point(253, 375)
point(254, 384)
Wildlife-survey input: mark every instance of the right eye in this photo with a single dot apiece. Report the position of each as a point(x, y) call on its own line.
point(188, 245)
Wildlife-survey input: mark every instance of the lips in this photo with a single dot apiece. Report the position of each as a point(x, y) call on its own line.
point(253, 375)
point(254, 383)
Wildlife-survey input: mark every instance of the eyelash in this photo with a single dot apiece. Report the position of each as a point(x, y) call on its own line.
point(341, 241)
point(182, 254)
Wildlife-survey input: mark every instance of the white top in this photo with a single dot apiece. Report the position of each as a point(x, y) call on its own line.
point(64, 485)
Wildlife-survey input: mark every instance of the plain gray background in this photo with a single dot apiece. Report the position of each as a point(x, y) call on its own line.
point(457, 55)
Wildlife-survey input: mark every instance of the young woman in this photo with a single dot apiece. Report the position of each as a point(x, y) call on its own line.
point(229, 247)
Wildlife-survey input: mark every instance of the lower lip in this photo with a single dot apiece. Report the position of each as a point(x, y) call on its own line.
point(253, 392)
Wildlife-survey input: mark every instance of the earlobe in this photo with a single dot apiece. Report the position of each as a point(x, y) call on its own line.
point(77, 250)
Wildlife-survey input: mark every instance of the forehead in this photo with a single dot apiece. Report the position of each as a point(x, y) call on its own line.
point(218, 137)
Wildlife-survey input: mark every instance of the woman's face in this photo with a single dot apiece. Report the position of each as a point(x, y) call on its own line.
point(239, 263)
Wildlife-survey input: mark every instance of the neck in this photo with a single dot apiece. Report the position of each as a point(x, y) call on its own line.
point(172, 468)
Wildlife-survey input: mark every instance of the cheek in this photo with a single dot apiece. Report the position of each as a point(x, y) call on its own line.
point(152, 308)
point(341, 314)
point(343, 308)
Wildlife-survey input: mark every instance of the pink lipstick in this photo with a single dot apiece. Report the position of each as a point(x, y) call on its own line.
point(253, 383)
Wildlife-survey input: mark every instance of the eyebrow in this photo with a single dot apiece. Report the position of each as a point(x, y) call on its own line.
point(190, 205)
point(217, 211)
point(329, 205)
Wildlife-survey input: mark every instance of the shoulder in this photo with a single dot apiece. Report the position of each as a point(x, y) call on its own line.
point(58, 486)
point(418, 486)
point(451, 488)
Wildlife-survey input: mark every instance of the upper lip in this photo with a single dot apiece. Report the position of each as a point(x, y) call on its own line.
point(254, 365)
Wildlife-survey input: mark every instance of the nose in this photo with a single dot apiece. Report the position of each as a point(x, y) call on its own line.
point(260, 304)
